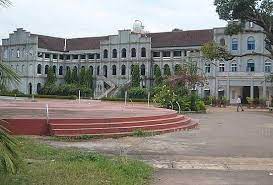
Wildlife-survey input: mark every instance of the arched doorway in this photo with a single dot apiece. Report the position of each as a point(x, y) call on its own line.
point(39, 88)
point(30, 88)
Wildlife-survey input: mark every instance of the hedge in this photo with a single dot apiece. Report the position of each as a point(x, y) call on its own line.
point(42, 96)
point(122, 99)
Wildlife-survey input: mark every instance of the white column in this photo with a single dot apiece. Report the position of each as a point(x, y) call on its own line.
point(252, 88)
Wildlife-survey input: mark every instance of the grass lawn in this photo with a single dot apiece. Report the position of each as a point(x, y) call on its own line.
point(43, 164)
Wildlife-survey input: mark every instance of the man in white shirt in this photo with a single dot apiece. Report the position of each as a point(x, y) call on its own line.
point(239, 103)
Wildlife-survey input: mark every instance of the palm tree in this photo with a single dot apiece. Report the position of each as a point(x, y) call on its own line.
point(9, 159)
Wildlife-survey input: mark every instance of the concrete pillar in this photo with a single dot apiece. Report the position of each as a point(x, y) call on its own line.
point(252, 89)
point(264, 89)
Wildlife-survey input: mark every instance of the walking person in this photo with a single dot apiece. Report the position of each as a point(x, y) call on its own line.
point(239, 103)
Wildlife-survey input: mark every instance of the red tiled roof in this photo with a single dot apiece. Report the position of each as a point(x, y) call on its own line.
point(86, 43)
point(181, 38)
point(51, 43)
point(159, 40)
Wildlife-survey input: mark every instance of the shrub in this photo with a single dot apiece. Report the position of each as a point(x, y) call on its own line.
point(137, 93)
point(200, 105)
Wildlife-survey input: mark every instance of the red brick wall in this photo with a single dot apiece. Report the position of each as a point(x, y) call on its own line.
point(27, 126)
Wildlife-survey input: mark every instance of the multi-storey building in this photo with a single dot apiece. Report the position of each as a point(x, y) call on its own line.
point(110, 59)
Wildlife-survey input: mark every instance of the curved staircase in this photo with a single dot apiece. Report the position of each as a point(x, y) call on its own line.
point(110, 127)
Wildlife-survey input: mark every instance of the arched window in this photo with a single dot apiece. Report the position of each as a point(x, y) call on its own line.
point(98, 70)
point(39, 69)
point(30, 88)
point(105, 53)
point(18, 53)
point(234, 66)
point(222, 42)
point(115, 53)
point(156, 67)
point(91, 70)
point(133, 52)
point(54, 69)
point(46, 69)
point(250, 66)
point(105, 71)
point(17, 68)
point(123, 53)
point(142, 70)
point(234, 44)
point(39, 88)
point(61, 70)
point(167, 70)
point(114, 70)
point(251, 43)
point(143, 52)
point(207, 68)
point(267, 68)
point(123, 70)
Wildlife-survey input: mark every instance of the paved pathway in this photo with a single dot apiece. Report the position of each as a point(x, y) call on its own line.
point(227, 148)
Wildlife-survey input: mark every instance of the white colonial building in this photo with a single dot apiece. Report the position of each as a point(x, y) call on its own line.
point(111, 57)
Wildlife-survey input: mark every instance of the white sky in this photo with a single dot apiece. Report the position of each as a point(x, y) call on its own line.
point(79, 18)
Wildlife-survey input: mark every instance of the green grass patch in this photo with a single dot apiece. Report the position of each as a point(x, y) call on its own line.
point(43, 164)
point(142, 133)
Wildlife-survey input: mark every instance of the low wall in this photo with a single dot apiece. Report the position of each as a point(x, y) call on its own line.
point(27, 126)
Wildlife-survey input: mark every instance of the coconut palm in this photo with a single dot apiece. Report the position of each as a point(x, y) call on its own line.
point(9, 159)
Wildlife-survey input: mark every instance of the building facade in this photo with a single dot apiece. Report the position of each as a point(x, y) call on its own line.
point(110, 59)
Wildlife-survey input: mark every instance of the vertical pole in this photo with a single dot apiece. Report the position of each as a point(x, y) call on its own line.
point(149, 94)
point(79, 96)
point(47, 116)
point(125, 99)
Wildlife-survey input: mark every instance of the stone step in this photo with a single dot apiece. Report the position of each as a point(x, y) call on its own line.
point(78, 125)
point(91, 131)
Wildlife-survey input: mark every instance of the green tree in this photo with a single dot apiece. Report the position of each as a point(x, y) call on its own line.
point(158, 79)
point(9, 160)
point(89, 79)
point(68, 76)
point(82, 77)
point(74, 76)
point(167, 71)
point(135, 76)
point(51, 77)
point(237, 13)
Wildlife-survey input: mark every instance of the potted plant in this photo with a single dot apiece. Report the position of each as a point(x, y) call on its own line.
point(262, 102)
point(250, 102)
point(224, 101)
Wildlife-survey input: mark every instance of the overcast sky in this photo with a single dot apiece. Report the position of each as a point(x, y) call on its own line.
point(79, 18)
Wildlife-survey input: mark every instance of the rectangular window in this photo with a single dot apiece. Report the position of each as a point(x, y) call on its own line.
point(177, 53)
point(91, 56)
point(40, 55)
point(55, 56)
point(185, 53)
point(67, 57)
point(47, 55)
point(207, 68)
point(98, 56)
point(83, 57)
point(250, 67)
point(75, 57)
point(166, 54)
point(61, 57)
point(156, 54)
point(221, 67)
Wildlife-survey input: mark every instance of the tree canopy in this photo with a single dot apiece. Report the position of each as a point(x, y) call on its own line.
point(237, 12)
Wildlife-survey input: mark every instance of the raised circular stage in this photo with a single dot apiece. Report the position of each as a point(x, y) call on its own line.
point(71, 118)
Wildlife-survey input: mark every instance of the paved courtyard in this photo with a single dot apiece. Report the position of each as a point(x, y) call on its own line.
point(228, 148)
